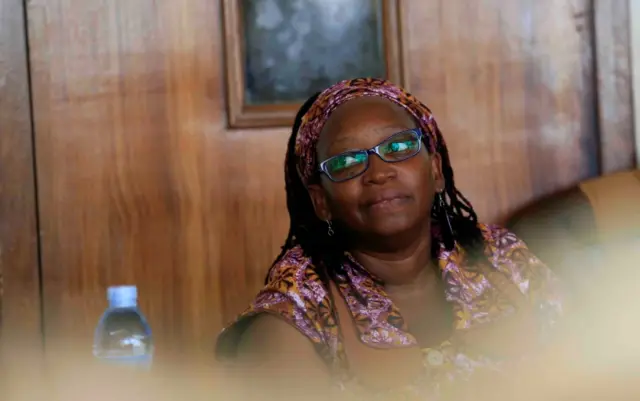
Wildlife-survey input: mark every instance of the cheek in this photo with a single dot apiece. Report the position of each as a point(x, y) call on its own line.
point(417, 173)
point(417, 176)
point(343, 199)
point(427, 184)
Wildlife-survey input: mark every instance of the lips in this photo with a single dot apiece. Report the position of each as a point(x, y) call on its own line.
point(387, 197)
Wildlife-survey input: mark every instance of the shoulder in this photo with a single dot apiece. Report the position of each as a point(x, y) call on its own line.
point(292, 273)
point(498, 236)
point(293, 297)
point(507, 252)
point(294, 280)
point(502, 244)
point(510, 256)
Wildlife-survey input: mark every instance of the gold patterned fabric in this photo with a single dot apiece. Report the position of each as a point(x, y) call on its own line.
point(479, 295)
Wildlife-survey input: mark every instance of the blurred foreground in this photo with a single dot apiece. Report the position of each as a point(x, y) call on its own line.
point(596, 357)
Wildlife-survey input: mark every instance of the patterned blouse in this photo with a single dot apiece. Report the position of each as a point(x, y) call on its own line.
point(298, 295)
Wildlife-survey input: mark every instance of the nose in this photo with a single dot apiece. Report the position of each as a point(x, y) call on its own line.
point(379, 171)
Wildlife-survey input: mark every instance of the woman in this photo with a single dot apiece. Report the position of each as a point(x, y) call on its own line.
point(386, 284)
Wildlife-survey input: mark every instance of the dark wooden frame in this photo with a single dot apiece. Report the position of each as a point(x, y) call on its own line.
point(242, 115)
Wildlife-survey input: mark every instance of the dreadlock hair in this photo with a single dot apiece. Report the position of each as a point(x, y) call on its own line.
point(327, 252)
point(455, 219)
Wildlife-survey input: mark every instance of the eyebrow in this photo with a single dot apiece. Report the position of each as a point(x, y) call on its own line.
point(396, 127)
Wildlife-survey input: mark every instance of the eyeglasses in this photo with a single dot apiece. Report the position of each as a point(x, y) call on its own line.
point(398, 147)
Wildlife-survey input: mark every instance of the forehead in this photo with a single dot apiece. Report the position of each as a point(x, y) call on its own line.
point(363, 122)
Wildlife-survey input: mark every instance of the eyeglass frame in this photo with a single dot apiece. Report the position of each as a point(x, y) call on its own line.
point(322, 168)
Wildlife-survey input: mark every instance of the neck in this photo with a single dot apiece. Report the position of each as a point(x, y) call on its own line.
point(403, 268)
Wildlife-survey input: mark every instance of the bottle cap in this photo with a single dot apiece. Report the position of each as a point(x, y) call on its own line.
point(122, 296)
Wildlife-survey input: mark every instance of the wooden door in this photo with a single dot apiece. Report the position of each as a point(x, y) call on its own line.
point(141, 182)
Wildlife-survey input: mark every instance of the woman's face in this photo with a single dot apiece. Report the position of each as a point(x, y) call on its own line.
point(388, 198)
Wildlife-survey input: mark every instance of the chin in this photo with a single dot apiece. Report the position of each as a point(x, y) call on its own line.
point(390, 227)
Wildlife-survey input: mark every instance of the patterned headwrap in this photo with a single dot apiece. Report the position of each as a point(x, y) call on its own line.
point(314, 120)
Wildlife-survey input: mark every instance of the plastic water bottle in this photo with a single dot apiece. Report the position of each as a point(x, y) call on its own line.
point(123, 336)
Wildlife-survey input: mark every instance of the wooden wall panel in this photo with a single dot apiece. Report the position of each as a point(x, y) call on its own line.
point(512, 86)
point(615, 85)
point(19, 282)
point(140, 182)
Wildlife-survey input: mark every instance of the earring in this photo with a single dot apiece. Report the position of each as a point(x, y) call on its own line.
point(330, 231)
point(448, 236)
